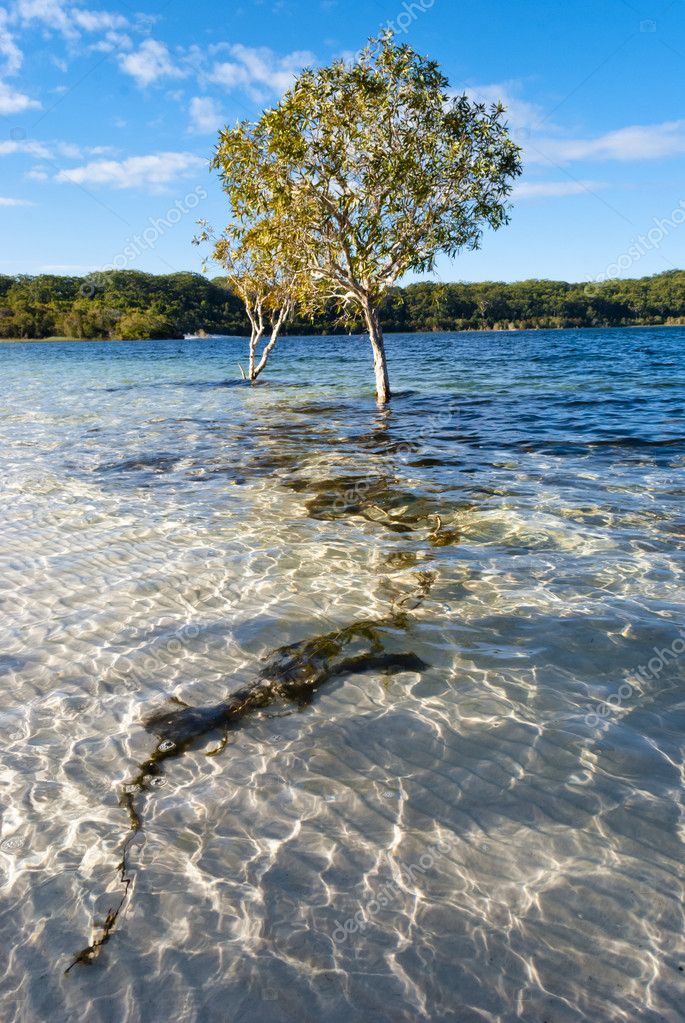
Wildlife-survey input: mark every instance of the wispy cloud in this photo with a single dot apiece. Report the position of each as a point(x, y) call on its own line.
point(50, 13)
point(555, 189)
point(637, 142)
point(543, 141)
point(66, 18)
point(37, 149)
point(205, 115)
point(97, 21)
point(50, 150)
point(112, 41)
point(150, 62)
point(522, 115)
point(154, 171)
point(14, 102)
point(4, 201)
point(72, 22)
point(259, 71)
point(11, 57)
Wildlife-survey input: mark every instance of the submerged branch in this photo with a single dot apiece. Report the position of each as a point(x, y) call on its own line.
point(90, 953)
point(292, 673)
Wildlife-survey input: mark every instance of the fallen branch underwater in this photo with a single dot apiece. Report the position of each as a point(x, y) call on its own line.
point(292, 673)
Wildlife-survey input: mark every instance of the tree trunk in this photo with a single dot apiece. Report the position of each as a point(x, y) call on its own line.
point(380, 365)
point(277, 321)
point(254, 340)
point(265, 355)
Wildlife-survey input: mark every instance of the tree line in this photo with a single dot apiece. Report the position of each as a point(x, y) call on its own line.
point(131, 305)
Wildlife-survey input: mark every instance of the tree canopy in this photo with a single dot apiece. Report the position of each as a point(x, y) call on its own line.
point(365, 171)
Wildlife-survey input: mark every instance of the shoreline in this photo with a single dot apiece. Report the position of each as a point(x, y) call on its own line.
point(388, 333)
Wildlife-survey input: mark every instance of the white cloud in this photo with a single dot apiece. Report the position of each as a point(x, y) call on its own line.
point(638, 142)
point(13, 102)
point(71, 21)
point(50, 13)
point(205, 115)
point(150, 62)
point(543, 142)
point(97, 21)
point(37, 149)
point(15, 202)
point(112, 41)
point(259, 71)
point(153, 171)
point(59, 149)
point(553, 189)
point(11, 56)
point(521, 115)
point(51, 150)
point(69, 150)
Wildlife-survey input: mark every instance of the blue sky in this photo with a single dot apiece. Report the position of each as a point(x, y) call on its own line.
point(108, 114)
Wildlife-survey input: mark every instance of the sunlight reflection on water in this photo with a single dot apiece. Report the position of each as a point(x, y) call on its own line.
point(162, 532)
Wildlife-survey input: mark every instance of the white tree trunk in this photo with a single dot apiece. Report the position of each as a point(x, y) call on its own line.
point(277, 321)
point(253, 308)
point(268, 348)
point(254, 340)
point(380, 365)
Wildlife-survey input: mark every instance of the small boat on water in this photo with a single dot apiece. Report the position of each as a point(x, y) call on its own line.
point(202, 336)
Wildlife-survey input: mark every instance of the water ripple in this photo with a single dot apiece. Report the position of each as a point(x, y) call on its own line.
point(498, 837)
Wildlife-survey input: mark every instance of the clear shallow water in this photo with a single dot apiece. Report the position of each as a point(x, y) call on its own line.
point(518, 805)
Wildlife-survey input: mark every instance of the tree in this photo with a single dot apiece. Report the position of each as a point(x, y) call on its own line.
point(87, 319)
point(138, 324)
point(379, 170)
point(257, 249)
point(260, 273)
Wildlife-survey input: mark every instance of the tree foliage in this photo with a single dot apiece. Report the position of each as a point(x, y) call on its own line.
point(367, 170)
point(259, 271)
point(384, 169)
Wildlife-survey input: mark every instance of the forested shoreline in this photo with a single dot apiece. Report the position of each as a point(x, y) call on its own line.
point(132, 305)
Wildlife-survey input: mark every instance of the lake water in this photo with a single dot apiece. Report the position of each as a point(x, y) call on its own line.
point(498, 836)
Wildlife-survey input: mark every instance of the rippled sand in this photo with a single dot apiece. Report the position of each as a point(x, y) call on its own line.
point(496, 838)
